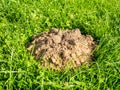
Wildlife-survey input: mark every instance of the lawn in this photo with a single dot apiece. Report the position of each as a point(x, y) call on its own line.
point(20, 19)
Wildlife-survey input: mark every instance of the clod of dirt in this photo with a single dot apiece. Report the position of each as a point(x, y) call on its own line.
point(62, 48)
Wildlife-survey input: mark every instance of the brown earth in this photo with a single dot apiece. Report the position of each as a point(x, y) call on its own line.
point(59, 49)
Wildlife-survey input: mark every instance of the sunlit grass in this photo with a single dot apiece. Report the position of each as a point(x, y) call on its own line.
point(19, 20)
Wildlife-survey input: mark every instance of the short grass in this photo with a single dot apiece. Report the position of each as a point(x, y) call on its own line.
point(20, 19)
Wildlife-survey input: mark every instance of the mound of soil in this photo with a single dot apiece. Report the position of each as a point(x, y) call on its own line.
point(62, 48)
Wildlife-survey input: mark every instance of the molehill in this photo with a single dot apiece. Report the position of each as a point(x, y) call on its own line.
point(58, 49)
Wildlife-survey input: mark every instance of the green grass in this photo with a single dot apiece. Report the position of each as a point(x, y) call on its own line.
point(20, 19)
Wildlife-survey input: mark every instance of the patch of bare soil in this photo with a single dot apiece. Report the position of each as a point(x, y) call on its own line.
point(58, 49)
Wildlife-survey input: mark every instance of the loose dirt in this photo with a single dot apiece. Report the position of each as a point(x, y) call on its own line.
point(59, 49)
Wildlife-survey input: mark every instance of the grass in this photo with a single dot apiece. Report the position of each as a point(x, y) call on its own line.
point(20, 19)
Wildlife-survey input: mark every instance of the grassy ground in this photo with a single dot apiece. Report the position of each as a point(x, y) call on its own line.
point(20, 19)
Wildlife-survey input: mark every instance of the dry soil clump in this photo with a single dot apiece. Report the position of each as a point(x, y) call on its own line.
point(62, 48)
